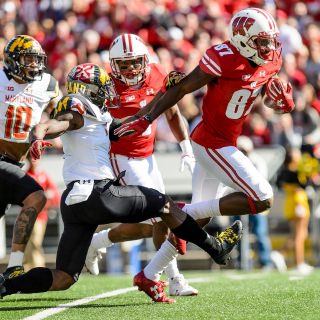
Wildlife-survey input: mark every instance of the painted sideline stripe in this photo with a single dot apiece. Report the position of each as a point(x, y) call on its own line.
point(61, 307)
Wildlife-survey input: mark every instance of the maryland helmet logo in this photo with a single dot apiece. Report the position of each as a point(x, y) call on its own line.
point(241, 25)
point(24, 43)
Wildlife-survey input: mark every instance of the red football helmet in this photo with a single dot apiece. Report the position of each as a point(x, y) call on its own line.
point(129, 59)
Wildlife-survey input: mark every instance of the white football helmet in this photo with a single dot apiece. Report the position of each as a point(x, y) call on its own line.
point(129, 59)
point(255, 34)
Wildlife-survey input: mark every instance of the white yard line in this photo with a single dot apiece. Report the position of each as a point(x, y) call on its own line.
point(62, 307)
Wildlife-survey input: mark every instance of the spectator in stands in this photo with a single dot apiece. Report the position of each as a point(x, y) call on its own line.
point(293, 180)
point(289, 35)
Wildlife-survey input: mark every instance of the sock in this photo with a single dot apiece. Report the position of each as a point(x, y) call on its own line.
point(101, 240)
point(16, 259)
point(203, 209)
point(190, 231)
point(172, 270)
point(35, 280)
point(160, 260)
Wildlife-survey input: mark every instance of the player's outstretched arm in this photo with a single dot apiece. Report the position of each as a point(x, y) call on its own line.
point(52, 129)
point(195, 80)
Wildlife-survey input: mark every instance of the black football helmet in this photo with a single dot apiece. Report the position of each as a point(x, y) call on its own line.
point(24, 58)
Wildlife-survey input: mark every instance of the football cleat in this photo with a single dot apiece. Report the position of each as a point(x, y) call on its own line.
point(13, 272)
point(178, 286)
point(92, 259)
point(2, 288)
point(154, 289)
point(226, 241)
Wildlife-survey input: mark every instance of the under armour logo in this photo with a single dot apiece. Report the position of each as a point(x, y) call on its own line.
point(280, 103)
point(157, 295)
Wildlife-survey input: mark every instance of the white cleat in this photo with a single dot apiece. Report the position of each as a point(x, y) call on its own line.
point(304, 269)
point(178, 286)
point(92, 259)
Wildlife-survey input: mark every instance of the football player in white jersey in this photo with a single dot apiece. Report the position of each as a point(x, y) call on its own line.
point(25, 91)
point(138, 81)
point(93, 195)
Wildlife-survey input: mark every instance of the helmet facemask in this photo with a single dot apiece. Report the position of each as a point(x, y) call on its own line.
point(267, 47)
point(32, 66)
point(130, 71)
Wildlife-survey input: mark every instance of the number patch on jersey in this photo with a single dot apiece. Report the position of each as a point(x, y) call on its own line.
point(238, 102)
point(223, 49)
point(18, 121)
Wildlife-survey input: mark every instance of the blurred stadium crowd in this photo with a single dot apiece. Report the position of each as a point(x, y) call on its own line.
point(178, 33)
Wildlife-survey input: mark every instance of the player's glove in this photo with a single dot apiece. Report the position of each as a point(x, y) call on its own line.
point(281, 94)
point(133, 128)
point(37, 148)
point(187, 156)
point(171, 80)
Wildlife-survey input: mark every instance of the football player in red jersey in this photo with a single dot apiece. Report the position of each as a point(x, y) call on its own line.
point(138, 81)
point(236, 72)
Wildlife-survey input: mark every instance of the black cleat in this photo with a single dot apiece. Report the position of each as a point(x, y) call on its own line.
point(226, 241)
point(2, 288)
point(13, 272)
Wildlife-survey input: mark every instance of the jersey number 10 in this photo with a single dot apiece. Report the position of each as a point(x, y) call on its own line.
point(18, 122)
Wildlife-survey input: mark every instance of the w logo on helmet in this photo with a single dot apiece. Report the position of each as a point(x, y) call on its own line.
point(241, 25)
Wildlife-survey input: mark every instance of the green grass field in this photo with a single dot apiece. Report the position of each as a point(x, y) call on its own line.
point(222, 295)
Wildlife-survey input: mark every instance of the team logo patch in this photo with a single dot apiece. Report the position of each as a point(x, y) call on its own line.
point(241, 25)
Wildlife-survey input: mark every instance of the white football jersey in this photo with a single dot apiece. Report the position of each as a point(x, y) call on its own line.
point(86, 150)
point(21, 105)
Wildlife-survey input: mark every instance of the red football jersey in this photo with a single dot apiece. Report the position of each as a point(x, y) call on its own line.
point(229, 97)
point(131, 101)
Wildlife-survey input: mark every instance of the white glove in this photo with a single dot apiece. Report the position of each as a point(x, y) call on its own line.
point(187, 156)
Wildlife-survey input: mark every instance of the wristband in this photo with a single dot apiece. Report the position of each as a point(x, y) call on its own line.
point(186, 147)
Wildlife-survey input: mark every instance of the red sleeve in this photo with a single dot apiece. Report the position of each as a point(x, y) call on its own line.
point(210, 63)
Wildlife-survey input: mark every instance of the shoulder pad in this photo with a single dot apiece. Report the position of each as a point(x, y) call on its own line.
point(53, 87)
point(68, 103)
point(74, 102)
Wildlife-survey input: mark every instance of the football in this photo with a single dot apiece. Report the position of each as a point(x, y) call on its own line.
point(268, 102)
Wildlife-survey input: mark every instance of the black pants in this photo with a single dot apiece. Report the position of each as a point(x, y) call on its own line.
point(109, 202)
point(15, 185)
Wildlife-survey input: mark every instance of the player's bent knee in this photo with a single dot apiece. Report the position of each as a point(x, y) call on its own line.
point(61, 280)
point(168, 205)
point(263, 205)
point(36, 200)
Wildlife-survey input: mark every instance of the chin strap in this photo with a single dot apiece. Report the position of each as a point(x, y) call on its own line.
point(252, 205)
